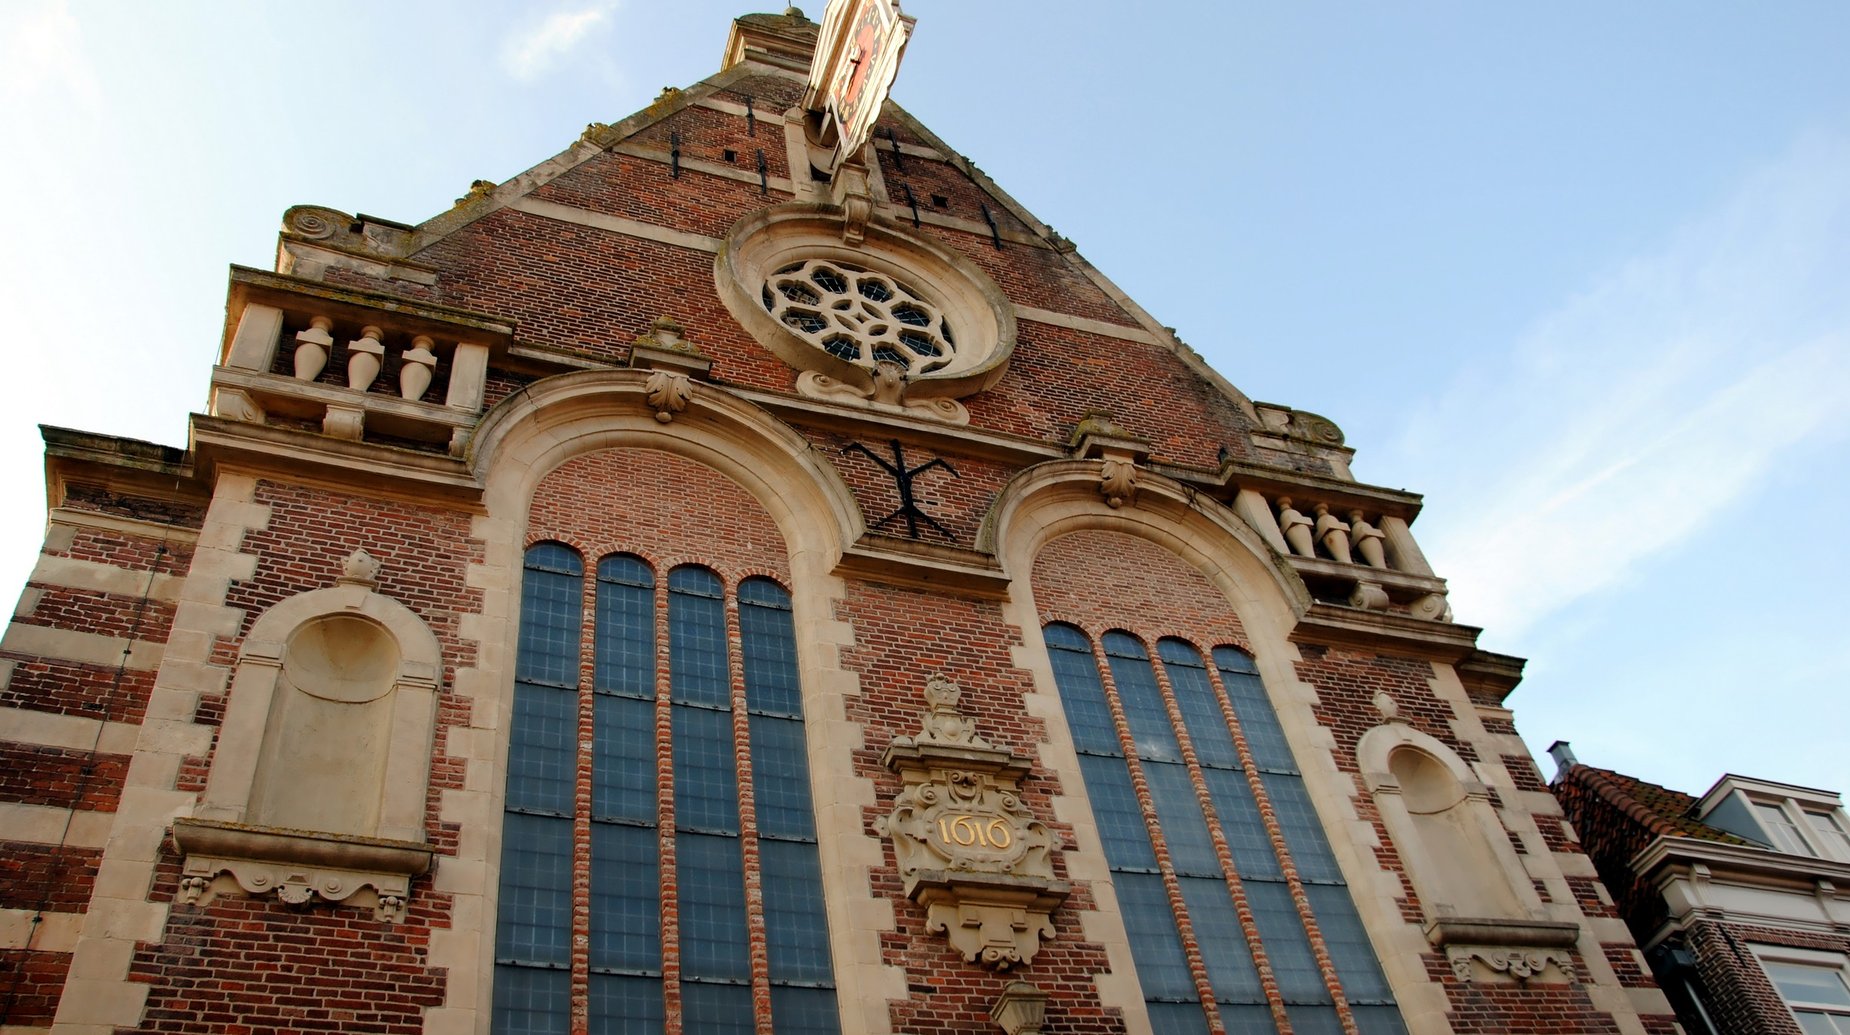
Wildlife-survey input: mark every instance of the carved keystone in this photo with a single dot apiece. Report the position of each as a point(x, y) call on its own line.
point(969, 851)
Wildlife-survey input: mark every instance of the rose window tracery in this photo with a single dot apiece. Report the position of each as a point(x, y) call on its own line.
point(859, 316)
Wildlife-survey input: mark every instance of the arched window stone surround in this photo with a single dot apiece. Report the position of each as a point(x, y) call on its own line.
point(318, 782)
point(530, 434)
point(1480, 906)
point(1053, 499)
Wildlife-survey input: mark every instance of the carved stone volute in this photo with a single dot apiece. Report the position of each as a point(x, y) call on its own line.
point(968, 850)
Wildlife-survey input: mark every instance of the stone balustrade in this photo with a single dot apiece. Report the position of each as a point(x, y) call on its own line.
point(353, 371)
point(1365, 558)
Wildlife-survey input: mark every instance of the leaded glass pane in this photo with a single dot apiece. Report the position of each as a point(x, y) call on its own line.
point(1348, 944)
point(770, 649)
point(1297, 819)
point(1286, 944)
point(712, 886)
point(1177, 1018)
point(1141, 699)
point(532, 1001)
point(1314, 1020)
point(708, 1009)
point(796, 926)
point(1115, 810)
point(1248, 1019)
point(551, 612)
point(534, 919)
point(697, 638)
point(706, 784)
point(624, 1005)
point(804, 1011)
point(623, 770)
point(1083, 696)
point(1155, 946)
point(1178, 812)
point(626, 914)
point(1378, 1020)
point(780, 776)
point(542, 755)
point(1201, 714)
point(1253, 855)
point(625, 626)
point(1253, 710)
point(1223, 943)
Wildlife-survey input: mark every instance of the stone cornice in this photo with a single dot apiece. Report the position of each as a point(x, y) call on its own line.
point(920, 565)
point(1386, 633)
point(354, 466)
point(1741, 862)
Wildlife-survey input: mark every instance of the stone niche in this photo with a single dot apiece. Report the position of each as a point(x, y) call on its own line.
point(968, 850)
point(1481, 908)
point(318, 784)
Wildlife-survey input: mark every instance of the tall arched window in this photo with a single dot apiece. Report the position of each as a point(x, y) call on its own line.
point(1204, 743)
point(661, 870)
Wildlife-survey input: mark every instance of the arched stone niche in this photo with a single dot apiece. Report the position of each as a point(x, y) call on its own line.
point(318, 784)
point(1479, 902)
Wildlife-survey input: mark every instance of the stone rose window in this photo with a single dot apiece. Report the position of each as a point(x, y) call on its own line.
point(863, 317)
point(894, 322)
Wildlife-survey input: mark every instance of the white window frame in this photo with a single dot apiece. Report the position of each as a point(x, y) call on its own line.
point(1832, 961)
point(1799, 817)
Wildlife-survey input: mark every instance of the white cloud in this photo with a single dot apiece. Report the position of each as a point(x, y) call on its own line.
point(534, 52)
point(1663, 394)
point(41, 51)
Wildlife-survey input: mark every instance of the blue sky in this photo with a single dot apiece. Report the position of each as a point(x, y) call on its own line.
point(1579, 273)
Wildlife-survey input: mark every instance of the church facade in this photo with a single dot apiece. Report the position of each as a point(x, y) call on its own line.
point(747, 574)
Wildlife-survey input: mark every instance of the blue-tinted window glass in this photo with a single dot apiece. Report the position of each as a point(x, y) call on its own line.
point(625, 626)
point(1378, 1020)
point(1115, 810)
point(623, 770)
point(1348, 944)
point(697, 638)
point(1076, 674)
point(1314, 1020)
point(1251, 844)
point(1223, 944)
point(804, 1011)
point(770, 649)
point(1297, 819)
point(1177, 1019)
point(1286, 945)
point(1141, 699)
point(780, 777)
point(706, 782)
point(1178, 813)
point(534, 919)
point(551, 612)
point(626, 915)
point(796, 926)
point(1251, 1019)
point(712, 885)
point(1156, 948)
point(542, 756)
point(624, 1005)
point(1201, 714)
point(532, 1001)
point(1253, 710)
point(708, 1009)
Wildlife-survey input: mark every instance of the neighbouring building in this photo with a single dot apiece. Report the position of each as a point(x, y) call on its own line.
point(746, 574)
point(1740, 897)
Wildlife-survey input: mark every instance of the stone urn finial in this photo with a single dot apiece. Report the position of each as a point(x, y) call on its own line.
point(360, 569)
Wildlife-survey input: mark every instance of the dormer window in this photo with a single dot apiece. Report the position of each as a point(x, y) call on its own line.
point(1786, 818)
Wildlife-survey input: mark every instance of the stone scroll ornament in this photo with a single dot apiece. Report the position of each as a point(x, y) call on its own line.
point(968, 850)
